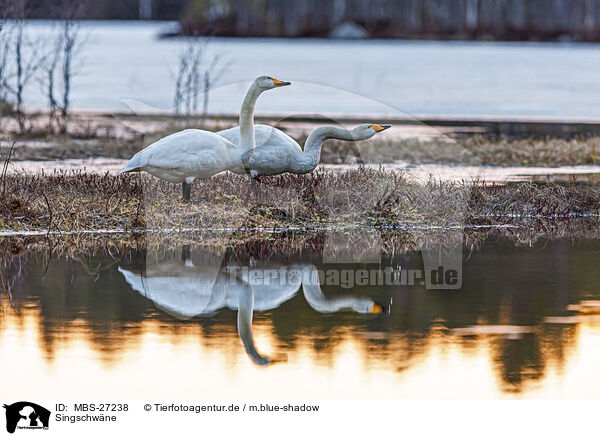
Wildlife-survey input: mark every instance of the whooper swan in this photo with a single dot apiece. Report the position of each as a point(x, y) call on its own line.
point(193, 153)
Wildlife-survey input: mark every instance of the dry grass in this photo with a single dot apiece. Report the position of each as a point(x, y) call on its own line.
point(68, 202)
point(360, 197)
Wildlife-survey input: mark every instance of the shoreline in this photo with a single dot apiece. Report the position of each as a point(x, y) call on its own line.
point(452, 150)
point(263, 242)
point(470, 174)
point(510, 125)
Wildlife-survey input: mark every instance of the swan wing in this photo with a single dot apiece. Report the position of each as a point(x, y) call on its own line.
point(274, 153)
point(189, 153)
point(263, 136)
point(185, 296)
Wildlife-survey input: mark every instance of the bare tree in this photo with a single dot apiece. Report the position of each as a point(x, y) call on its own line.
point(196, 76)
point(47, 80)
point(212, 74)
point(179, 82)
point(60, 65)
point(22, 55)
point(188, 74)
point(4, 54)
point(71, 45)
point(23, 50)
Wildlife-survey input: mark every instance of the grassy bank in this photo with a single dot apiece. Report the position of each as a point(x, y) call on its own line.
point(71, 202)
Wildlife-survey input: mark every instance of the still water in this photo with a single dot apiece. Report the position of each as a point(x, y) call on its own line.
point(185, 322)
point(124, 65)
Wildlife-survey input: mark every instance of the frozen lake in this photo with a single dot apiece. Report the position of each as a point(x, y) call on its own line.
point(127, 60)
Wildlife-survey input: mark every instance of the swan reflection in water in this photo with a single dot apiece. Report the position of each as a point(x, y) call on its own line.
point(188, 289)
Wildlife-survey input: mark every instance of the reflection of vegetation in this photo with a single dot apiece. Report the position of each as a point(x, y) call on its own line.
point(260, 243)
point(519, 361)
point(85, 295)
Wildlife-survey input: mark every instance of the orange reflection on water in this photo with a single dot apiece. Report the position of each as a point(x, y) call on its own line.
point(161, 362)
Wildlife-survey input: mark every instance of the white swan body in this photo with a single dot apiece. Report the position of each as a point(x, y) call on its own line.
point(186, 155)
point(193, 153)
point(277, 153)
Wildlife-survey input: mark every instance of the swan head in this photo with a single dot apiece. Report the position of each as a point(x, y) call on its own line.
point(377, 308)
point(268, 82)
point(365, 131)
point(369, 307)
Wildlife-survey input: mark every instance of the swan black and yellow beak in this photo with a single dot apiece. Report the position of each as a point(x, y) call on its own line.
point(279, 83)
point(276, 360)
point(376, 308)
point(380, 309)
point(380, 127)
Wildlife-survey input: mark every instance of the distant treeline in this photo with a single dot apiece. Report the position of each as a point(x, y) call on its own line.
point(108, 9)
point(444, 19)
point(469, 19)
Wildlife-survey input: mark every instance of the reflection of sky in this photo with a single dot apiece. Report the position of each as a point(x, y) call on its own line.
point(126, 60)
point(160, 362)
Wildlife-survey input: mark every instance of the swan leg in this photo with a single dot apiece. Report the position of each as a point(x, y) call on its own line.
point(186, 190)
point(185, 255)
point(255, 176)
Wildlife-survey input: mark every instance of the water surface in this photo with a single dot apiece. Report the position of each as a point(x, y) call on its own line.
point(189, 323)
point(126, 60)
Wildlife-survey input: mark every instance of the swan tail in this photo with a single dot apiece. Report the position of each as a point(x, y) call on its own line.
point(134, 165)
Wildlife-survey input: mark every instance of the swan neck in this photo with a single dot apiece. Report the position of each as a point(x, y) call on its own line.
point(247, 141)
point(244, 321)
point(314, 143)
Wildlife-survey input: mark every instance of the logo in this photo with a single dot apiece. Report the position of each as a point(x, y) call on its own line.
point(26, 415)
